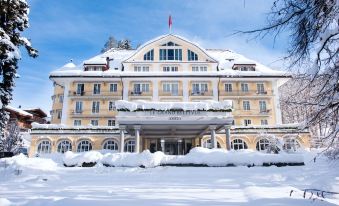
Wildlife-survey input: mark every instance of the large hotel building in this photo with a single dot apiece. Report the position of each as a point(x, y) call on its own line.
point(168, 95)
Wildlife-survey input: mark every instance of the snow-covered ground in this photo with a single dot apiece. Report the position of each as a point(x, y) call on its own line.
point(47, 182)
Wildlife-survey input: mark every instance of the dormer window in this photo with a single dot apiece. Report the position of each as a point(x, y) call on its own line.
point(244, 67)
point(141, 68)
point(94, 68)
point(149, 56)
point(192, 56)
point(170, 44)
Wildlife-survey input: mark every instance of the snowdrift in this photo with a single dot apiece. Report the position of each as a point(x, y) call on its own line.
point(196, 157)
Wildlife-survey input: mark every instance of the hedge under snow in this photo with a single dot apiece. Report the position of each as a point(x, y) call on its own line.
point(197, 156)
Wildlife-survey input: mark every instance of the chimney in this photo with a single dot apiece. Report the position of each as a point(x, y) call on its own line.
point(107, 63)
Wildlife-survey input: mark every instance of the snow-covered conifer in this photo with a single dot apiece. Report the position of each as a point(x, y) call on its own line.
point(13, 21)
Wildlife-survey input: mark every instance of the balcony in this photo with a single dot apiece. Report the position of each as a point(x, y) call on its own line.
point(252, 112)
point(246, 93)
point(140, 93)
point(89, 94)
point(170, 94)
point(200, 93)
point(88, 113)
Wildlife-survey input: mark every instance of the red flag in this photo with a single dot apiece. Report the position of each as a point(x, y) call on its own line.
point(170, 22)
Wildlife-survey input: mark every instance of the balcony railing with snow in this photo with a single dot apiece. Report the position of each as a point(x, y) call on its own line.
point(91, 94)
point(245, 93)
point(201, 93)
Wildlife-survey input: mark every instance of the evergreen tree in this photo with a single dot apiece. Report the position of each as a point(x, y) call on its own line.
point(13, 21)
point(111, 43)
point(124, 44)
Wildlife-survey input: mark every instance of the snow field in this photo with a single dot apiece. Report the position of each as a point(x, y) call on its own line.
point(164, 186)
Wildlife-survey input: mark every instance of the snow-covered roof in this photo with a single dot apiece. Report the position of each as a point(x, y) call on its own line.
point(226, 60)
point(169, 35)
point(19, 111)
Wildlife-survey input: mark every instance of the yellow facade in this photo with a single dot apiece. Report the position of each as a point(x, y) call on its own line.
point(166, 69)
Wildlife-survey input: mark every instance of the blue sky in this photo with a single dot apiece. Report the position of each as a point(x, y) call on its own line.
point(77, 29)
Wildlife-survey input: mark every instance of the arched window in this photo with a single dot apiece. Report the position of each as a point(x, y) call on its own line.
point(149, 56)
point(238, 144)
point(110, 145)
point(192, 56)
point(44, 146)
point(64, 146)
point(262, 144)
point(84, 146)
point(130, 146)
point(208, 144)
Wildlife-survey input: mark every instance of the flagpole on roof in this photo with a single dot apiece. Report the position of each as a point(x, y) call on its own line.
point(170, 23)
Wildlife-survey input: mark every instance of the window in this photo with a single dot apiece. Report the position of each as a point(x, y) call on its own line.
point(192, 56)
point(244, 87)
point(238, 144)
point(64, 146)
point(264, 122)
point(78, 107)
point(44, 147)
point(260, 88)
point(246, 105)
point(94, 122)
point(170, 54)
point(140, 88)
point(170, 69)
point(111, 106)
point(199, 68)
point(149, 56)
point(208, 143)
point(111, 122)
point(77, 122)
point(84, 146)
point(170, 87)
point(59, 113)
point(95, 107)
point(244, 68)
point(262, 106)
point(262, 145)
point(61, 98)
point(228, 87)
point(170, 44)
point(96, 88)
point(113, 87)
point(111, 145)
point(247, 122)
point(130, 146)
point(141, 68)
point(80, 89)
point(199, 88)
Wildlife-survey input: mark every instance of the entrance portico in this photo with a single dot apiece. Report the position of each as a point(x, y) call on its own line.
point(175, 131)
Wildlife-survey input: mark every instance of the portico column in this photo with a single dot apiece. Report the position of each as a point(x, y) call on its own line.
point(137, 138)
point(213, 137)
point(162, 143)
point(228, 137)
point(122, 138)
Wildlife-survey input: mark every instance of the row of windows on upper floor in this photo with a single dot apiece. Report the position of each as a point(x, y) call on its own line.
point(171, 54)
point(140, 68)
point(171, 87)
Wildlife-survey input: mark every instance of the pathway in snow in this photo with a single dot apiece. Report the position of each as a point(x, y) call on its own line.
point(168, 185)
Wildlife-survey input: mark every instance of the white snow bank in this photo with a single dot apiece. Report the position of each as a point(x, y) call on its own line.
point(77, 159)
point(220, 157)
point(146, 159)
point(21, 161)
point(202, 105)
point(197, 156)
point(5, 202)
